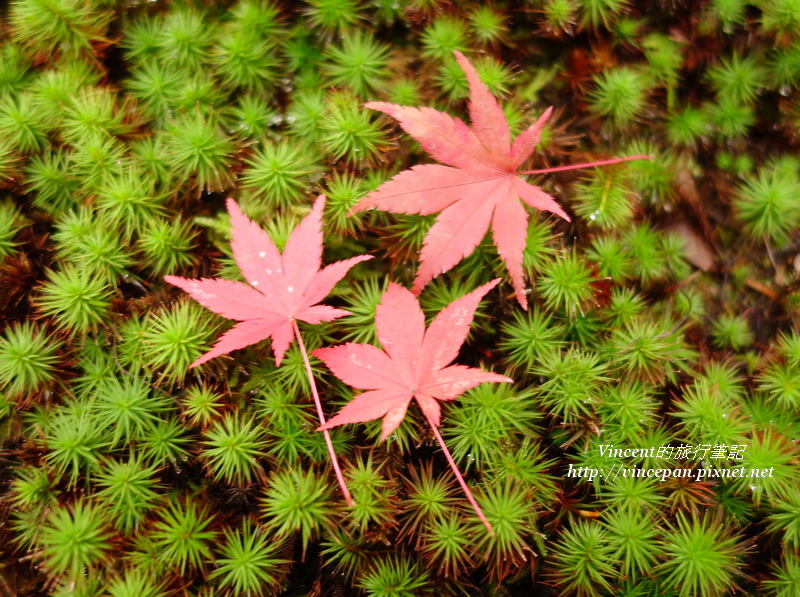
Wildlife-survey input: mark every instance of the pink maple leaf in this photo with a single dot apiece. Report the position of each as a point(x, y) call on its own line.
point(479, 187)
point(414, 365)
point(282, 288)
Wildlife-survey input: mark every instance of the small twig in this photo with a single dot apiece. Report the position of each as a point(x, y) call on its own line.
point(461, 481)
point(339, 476)
point(771, 256)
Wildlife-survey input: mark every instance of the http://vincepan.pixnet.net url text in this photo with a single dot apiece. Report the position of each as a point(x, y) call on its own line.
point(700, 463)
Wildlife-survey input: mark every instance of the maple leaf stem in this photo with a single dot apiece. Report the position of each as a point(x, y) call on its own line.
point(461, 481)
point(339, 476)
point(585, 165)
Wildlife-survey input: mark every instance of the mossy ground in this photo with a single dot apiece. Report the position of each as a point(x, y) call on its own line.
point(665, 314)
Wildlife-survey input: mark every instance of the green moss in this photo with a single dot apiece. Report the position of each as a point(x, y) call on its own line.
point(27, 359)
point(124, 128)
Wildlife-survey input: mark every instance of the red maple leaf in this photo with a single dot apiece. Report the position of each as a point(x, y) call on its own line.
point(480, 185)
point(414, 365)
point(282, 289)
